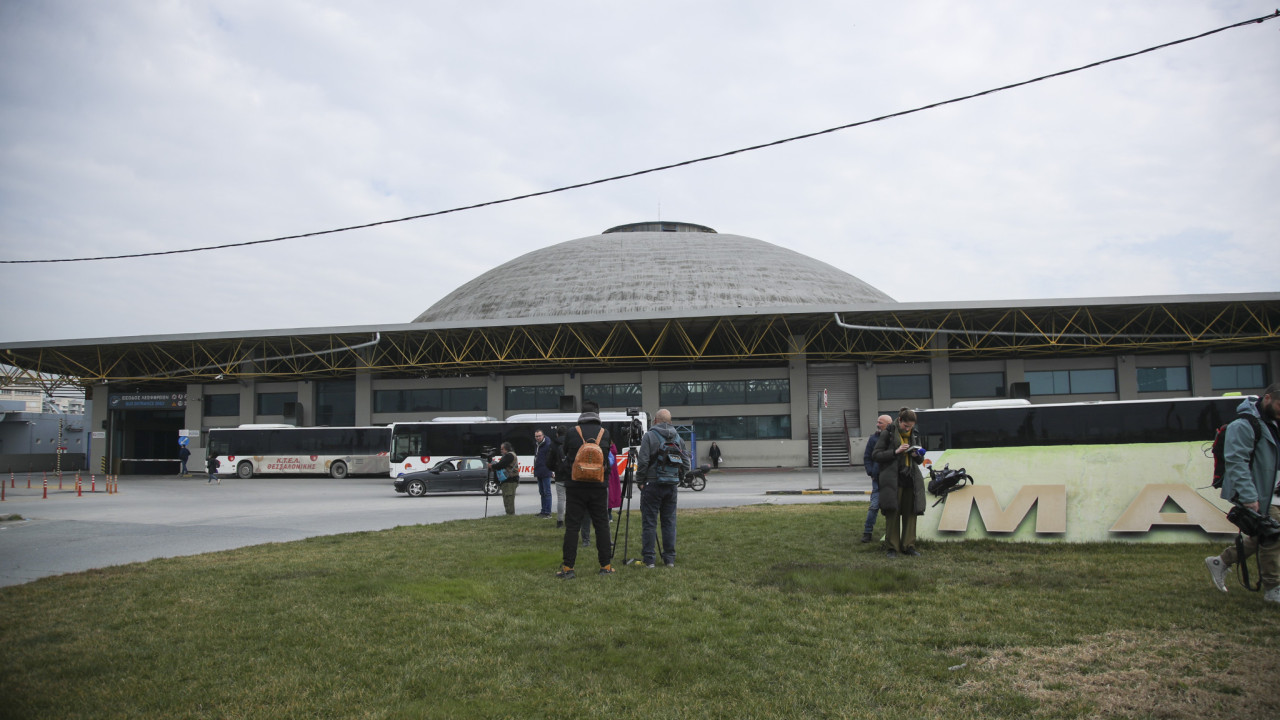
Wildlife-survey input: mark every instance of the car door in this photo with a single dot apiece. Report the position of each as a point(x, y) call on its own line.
point(444, 477)
point(473, 475)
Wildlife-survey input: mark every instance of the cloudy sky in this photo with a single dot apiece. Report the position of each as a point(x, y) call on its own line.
point(133, 127)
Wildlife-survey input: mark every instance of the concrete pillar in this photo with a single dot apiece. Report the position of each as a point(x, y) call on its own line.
point(798, 377)
point(1201, 381)
point(364, 398)
point(649, 392)
point(1126, 377)
point(248, 401)
point(496, 385)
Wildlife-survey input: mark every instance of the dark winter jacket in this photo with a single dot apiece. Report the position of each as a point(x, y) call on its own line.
point(890, 461)
point(541, 468)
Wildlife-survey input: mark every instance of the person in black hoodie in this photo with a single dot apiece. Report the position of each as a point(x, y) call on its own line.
point(585, 499)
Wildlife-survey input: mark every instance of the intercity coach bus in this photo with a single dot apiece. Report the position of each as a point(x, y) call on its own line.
point(251, 450)
point(1018, 423)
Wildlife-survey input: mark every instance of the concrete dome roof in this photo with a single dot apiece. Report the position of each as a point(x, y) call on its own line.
point(655, 267)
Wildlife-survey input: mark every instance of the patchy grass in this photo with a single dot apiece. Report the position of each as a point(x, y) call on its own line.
point(771, 612)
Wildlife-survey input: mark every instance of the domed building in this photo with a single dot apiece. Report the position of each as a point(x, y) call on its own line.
point(652, 267)
point(747, 343)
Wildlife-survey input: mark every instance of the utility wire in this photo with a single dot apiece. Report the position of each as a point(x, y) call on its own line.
point(661, 168)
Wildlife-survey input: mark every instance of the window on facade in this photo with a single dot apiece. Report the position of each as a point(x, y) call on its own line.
point(613, 395)
point(431, 400)
point(1237, 377)
point(724, 392)
point(336, 402)
point(221, 405)
point(894, 387)
point(534, 397)
point(273, 403)
point(977, 385)
point(1162, 379)
point(1072, 382)
point(743, 427)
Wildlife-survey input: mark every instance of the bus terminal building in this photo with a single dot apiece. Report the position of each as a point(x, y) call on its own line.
point(758, 348)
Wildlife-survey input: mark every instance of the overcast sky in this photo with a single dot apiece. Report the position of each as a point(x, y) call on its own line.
point(130, 126)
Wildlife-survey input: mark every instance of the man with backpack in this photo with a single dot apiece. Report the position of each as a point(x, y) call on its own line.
point(586, 488)
point(660, 465)
point(1250, 448)
point(873, 469)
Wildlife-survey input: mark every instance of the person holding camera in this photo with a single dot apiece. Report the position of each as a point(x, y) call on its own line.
point(1249, 480)
point(659, 467)
point(586, 490)
point(509, 464)
point(901, 482)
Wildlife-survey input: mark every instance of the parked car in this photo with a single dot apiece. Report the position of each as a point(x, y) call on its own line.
point(455, 474)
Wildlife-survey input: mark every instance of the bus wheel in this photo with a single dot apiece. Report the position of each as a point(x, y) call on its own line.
point(245, 470)
point(491, 487)
point(338, 470)
point(416, 488)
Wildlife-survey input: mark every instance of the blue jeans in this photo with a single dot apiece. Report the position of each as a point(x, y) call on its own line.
point(544, 489)
point(658, 500)
point(875, 506)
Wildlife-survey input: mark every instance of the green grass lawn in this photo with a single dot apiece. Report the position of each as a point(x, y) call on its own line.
point(771, 612)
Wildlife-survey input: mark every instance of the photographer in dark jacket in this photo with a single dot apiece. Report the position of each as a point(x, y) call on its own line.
point(901, 483)
point(510, 465)
point(585, 499)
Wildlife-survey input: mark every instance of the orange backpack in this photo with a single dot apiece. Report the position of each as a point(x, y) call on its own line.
point(588, 464)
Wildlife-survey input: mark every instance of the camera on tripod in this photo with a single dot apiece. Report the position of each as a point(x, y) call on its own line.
point(633, 430)
point(487, 453)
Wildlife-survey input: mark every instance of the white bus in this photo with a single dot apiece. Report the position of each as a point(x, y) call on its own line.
point(251, 450)
point(997, 424)
point(417, 446)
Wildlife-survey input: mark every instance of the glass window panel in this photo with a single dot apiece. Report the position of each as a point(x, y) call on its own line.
point(977, 385)
point(1093, 381)
point(221, 405)
point(273, 403)
point(892, 387)
point(336, 402)
point(467, 399)
point(1162, 379)
point(1236, 377)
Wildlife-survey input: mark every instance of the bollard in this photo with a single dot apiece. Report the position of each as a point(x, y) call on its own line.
point(59, 481)
point(93, 483)
point(11, 485)
point(78, 493)
point(28, 479)
point(46, 487)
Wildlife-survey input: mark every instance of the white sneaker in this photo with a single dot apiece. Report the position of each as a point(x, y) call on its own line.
point(1273, 594)
point(1218, 571)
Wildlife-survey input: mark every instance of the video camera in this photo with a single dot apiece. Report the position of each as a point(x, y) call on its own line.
point(487, 453)
point(633, 430)
point(1254, 524)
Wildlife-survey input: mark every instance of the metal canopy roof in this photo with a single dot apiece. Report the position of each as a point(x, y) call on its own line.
point(879, 333)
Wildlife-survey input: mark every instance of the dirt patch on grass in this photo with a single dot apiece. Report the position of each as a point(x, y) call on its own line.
point(1173, 674)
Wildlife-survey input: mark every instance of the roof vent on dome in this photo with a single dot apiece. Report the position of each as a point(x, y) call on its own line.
point(660, 226)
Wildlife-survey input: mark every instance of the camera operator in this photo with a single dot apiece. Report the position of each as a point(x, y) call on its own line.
point(510, 465)
point(585, 499)
point(901, 483)
point(1253, 486)
point(659, 483)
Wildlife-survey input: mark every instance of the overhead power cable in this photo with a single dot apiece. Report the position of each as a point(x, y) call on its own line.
point(661, 168)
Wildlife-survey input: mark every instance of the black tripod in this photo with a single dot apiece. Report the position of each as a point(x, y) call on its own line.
point(628, 481)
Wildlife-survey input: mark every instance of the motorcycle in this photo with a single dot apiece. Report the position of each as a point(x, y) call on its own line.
point(695, 479)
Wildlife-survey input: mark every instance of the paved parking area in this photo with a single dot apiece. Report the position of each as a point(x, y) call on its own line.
point(153, 517)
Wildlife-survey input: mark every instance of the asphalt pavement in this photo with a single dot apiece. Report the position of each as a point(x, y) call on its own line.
point(165, 516)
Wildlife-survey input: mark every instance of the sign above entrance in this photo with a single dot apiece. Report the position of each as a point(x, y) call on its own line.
point(145, 401)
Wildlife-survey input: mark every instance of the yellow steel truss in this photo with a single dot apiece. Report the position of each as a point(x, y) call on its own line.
point(628, 343)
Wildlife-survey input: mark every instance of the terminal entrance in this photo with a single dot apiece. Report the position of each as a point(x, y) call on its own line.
point(145, 442)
